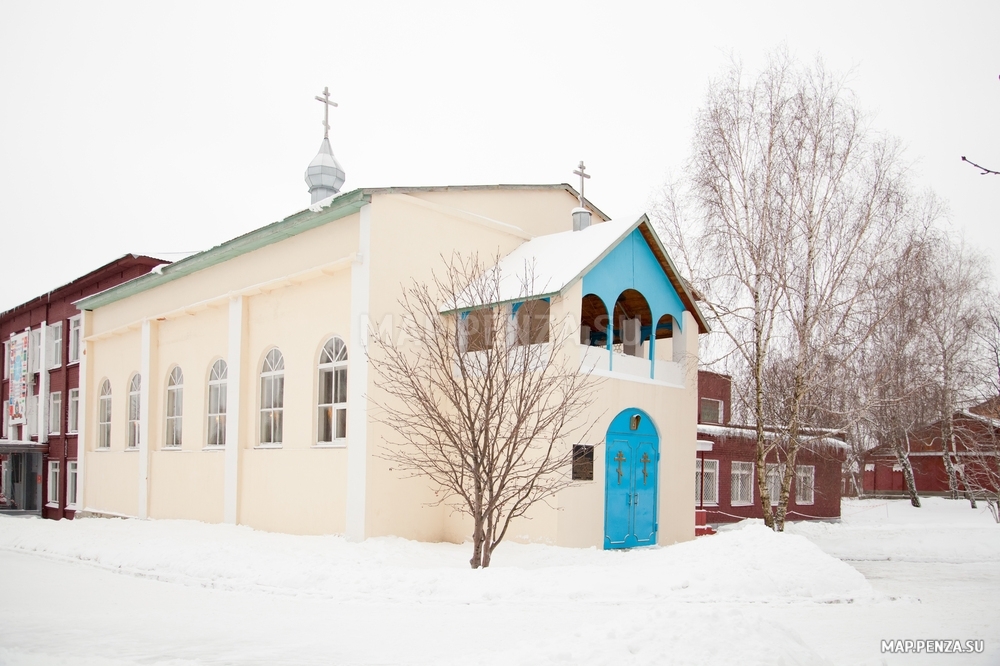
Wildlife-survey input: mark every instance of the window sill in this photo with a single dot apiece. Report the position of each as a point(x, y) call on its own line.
point(221, 447)
point(330, 445)
point(268, 446)
point(131, 448)
point(171, 448)
point(741, 504)
point(52, 505)
point(703, 505)
point(72, 507)
point(55, 434)
point(101, 449)
point(802, 504)
point(72, 433)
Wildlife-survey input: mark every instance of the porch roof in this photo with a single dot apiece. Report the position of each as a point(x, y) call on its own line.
point(22, 446)
point(546, 265)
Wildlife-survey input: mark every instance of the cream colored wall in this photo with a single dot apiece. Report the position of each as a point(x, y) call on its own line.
point(407, 241)
point(297, 488)
point(539, 212)
point(300, 488)
point(575, 517)
point(186, 482)
point(316, 247)
point(111, 477)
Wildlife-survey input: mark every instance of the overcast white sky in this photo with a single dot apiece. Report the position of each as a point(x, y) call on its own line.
point(155, 128)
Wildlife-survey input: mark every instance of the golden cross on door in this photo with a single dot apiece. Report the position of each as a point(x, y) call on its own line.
point(620, 458)
point(644, 460)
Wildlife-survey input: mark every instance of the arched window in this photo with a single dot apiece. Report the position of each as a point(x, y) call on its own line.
point(134, 402)
point(104, 416)
point(217, 404)
point(332, 403)
point(175, 407)
point(272, 397)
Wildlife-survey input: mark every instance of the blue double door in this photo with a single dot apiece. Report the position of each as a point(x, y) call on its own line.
point(632, 454)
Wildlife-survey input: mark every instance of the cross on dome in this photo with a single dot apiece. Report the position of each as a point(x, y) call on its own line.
point(581, 171)
point(325, 176)
point(326, 112)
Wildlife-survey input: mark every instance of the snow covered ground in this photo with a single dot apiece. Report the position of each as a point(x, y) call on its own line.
point(98, 591)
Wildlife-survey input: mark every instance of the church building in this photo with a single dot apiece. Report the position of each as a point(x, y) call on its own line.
point(235, 385)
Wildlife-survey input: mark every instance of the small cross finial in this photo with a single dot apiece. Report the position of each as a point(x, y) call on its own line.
point(581, 171)
point(326, 111)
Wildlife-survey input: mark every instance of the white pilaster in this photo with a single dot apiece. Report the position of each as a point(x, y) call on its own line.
point(81, 412)
point(145, 391)
point(43, 385)
point(234, 384)
point(357, 383)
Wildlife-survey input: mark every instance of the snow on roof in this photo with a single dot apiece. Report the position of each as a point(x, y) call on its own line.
point(981, 418)
point(545, 265)
point(749, 432)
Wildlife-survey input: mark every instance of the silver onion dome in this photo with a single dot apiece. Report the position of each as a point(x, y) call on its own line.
point(324, 176)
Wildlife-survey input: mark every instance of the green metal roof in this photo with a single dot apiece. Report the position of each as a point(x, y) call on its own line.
point(341, 206)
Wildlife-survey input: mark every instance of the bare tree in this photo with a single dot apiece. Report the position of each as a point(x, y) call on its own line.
point(951, 297)
point(481, 401)
point(799, 202)
point(892, 375)
point(734, 243)
point(981, 472)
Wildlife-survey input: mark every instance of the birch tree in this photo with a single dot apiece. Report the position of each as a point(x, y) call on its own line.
point(798, 201)
point(951, 298)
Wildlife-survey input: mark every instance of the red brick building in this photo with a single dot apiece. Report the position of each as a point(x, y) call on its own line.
point(725, 475)
point(973, 452)
point(39, 392)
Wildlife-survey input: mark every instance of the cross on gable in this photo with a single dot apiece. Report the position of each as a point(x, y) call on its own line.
point(326, 111)
point(581, 171)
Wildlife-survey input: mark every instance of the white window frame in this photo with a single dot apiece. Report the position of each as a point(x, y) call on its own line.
point(174, 417)
point(104, 416)
point(218, 396)
point(72, 484)
point(52, 492)
point(775, 475)
point(739, 471)
point(706, 466)
point(6, 360)
point(132, 440)
point(331, 409)
point(31, 409)
point(35, 350)
point(73, 412)
point(722, 410)
point(53, 345)
point(55, 413)
point(75, 339)
point(805, 484)
point(272, 400)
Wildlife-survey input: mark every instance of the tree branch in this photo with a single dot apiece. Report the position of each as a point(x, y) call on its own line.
point(985, 171)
